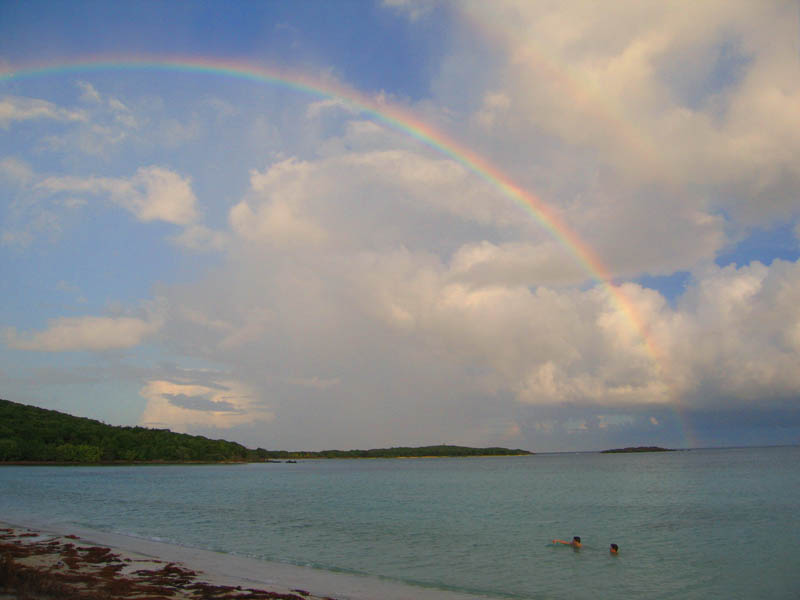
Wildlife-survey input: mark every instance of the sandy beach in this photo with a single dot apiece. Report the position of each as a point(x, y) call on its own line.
point(44, 561)
point(37, 564)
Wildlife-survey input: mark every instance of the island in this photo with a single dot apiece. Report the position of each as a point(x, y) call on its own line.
point(637, 449)
point(443, 450)
point(33, 435)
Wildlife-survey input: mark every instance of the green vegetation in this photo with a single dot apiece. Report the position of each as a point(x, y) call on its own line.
point(402, 452)
point(31, 434)
point(28, 433)
point(637, 449)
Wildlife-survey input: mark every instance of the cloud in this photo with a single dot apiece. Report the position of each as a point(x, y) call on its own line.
point(366, 287)
point(41, 221)
point(152, 194)
point(277, 219)
point(20, 239)
point(16, 108)
point(185, 406)
point(15, 171)
point(315, 109)
point(737, 337)
point(494, 104)
point(515, 263)
point(122, 114)
point(640, 121)
point(365, 199)
point(410, 316)
point(94, 334)
point(106, 127)
point(349, 275)
point(202, 238)
point(414, 9)
point(198, 403)
point(89, 93)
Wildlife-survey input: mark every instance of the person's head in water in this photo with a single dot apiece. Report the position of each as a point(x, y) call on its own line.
point(576, 540)
point(614, 549)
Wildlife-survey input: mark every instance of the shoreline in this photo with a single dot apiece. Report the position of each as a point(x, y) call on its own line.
point(43, 564)
point(147, 463)
point(67, 557)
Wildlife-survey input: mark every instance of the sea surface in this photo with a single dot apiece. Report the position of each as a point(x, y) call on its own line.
point(717, 523)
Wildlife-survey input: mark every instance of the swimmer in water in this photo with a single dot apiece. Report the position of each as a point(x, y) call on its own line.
point(575, 543)
point(614, 549)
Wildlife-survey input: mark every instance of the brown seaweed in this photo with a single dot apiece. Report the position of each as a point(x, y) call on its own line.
point(79, 572)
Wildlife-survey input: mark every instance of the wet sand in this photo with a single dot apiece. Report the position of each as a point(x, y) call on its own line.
point(53, 561)
point(35, 565)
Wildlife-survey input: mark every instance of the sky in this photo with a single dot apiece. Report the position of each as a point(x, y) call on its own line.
point(309, 225)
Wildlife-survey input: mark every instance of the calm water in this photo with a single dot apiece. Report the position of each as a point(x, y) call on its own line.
point(697, 524)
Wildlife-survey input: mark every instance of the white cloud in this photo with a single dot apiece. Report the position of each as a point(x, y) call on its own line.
point(186, 406)
point(94, 334)
point(161, 195)
point(506, 313)
point(106, 127)
point(673, 99)
point(201, 238)
point(89, 93)
point(15, 108)
point(119, 111)
point(276, 222)
point(737, 335)
point(545, 345)
point(515, 263)
point(315, 109)
point(494, 104)
point(152, 194)
point(365, 199)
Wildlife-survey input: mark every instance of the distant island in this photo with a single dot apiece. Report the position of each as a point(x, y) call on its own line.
point(29, 434)
point(443, 450)
point(637, 449)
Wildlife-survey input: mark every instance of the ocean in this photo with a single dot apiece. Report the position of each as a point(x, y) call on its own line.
point(698, 524)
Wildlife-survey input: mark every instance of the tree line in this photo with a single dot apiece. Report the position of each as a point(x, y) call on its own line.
point(32, 434)
point(443, 450)
point(29, 433)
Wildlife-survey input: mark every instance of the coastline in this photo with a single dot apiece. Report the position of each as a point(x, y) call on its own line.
point(76, 557)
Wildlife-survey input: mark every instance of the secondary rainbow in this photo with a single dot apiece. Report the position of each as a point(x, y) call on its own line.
point(397, 118)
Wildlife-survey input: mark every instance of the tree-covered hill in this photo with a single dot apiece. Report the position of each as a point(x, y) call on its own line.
point(32, 434)
point(29, 433)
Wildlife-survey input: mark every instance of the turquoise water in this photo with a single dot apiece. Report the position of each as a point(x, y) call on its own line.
point(691, 524)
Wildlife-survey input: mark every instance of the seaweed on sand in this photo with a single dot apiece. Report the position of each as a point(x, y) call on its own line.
point(75, 572)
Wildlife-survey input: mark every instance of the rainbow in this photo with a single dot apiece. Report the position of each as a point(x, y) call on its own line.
point(397, 118)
